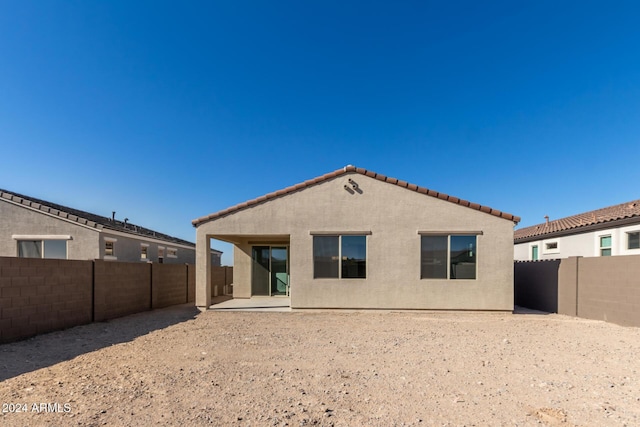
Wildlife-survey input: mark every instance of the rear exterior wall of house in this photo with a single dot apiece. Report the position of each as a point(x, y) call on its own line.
point(392, 218)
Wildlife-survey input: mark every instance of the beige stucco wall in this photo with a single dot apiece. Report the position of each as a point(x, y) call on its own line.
point(393, 215)
point(16, 219)
point(128, 249)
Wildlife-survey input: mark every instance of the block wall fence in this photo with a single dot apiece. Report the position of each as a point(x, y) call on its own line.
point(45, 295)
point(599, 288)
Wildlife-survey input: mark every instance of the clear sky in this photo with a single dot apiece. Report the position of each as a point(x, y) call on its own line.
point(168, 111)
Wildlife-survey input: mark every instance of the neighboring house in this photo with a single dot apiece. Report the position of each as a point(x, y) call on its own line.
point(33, 228)
point(614, 230)
point(356, 239)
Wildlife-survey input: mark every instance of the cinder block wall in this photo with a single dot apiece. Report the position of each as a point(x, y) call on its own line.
point(43, 295)
point(169, 285)
point(191, 283)
point(229, 275)
point(609, 289)
point(568, 286)
point(218, 280)
point(121, 288)
point(600, 288)
point(221, 279)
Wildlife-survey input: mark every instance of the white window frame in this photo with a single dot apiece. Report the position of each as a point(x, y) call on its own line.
point(169, 253)
point(599, 245)
point(144, 252)
point(41, 238)
point(113, 241)
point(550, 251)
point(628, 233)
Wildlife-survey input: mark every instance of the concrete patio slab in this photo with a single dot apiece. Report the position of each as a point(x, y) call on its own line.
point(254, 304)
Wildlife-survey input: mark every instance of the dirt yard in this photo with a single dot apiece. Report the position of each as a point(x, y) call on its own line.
point(370, 368)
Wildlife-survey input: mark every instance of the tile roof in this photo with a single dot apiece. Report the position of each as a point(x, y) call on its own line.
point(353, 169)
point(575, 223)
point(88, 219)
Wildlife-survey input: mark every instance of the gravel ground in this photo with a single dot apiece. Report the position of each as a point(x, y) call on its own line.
point(177, 366)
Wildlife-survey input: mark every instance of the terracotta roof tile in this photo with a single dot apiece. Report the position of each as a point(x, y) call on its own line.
point(575, 222)
point(361, 171)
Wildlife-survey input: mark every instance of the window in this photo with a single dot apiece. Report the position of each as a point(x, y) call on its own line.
point(605, 245)
point(340, 257)
point(534, 253)
point(354, 257)
point(54, 249)
point(633, 240)
point(448, 257)
point(144, 251)
point(108, 248)
point(551, 247)
point(172, 253)
point(160, 254)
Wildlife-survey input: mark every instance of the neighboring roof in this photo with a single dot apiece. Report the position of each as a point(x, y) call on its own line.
point(582, 222)
point(88, 219)
point(352, 169)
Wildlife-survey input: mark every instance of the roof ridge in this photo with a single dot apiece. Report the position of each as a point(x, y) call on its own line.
point(351, 169)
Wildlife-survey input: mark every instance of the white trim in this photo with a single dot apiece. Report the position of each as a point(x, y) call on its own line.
point(144, 250)
point(110, 258)
point(109, 239)
point(41, 237)
point(599, 247)
point(546, 250)
point(626, 240)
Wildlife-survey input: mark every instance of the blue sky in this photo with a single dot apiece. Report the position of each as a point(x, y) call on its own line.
point(168, 111)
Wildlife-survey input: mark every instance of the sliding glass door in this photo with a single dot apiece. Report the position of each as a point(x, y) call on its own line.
point(270, 271)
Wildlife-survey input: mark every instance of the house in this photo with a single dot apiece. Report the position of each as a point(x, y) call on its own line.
point(34, 228)
point(614, 230)
point(357, 239)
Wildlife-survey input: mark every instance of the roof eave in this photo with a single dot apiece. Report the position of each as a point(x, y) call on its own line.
point(580, 229)
point(352, 169)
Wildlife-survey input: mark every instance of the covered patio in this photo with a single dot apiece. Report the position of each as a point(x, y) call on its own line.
point(261, 269)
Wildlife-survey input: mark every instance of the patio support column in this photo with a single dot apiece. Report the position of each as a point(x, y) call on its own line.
point(203, 270)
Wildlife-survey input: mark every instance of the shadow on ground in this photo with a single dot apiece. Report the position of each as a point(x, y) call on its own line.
point(49, 349)
point(523, 310)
